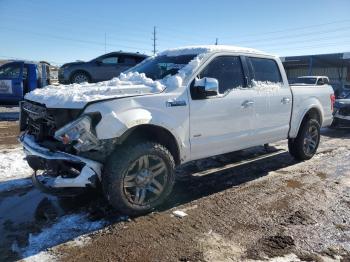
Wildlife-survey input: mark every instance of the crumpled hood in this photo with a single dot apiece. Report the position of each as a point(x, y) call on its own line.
point(76, 96)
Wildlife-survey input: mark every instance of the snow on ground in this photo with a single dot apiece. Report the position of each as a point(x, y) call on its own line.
point(66, 228)
point(14, 170)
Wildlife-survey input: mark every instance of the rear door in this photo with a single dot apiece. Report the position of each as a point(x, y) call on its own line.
point(273, 100)
point(106, 67)
point(11, 82)
point(222, 123)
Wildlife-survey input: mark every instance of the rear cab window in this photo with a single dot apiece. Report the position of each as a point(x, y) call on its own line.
point(264, 70)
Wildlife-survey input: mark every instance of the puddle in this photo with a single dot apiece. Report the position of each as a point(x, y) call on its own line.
point(294, 184)
point(321, 175)
point(27, 212)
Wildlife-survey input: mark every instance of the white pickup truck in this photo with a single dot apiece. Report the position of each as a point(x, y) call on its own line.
point(129, 133)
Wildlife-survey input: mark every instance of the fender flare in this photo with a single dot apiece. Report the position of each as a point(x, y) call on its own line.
point(314, 106)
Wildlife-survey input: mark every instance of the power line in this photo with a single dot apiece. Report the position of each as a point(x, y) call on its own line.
point(154, 40)
point(295, 36)
point(73, 39)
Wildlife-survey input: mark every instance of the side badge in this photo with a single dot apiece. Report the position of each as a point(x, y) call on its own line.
point(175, 103)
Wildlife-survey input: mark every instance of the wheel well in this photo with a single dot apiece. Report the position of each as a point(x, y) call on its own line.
point(155, 134)
point(313, 113)
point(79, 71)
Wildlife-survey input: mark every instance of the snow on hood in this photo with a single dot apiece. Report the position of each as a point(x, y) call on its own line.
point(77, 95)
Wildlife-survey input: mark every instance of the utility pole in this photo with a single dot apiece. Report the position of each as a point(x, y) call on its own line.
point(216, 41)
point(105, 43)
point(154, 40)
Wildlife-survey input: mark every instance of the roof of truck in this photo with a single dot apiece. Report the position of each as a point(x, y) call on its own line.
point(199, 49)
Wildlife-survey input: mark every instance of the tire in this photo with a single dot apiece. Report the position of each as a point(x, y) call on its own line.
point(305, 145)
point(129, 174)
point(80, 77)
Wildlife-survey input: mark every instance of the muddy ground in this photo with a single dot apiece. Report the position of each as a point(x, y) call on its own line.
point(237, 211)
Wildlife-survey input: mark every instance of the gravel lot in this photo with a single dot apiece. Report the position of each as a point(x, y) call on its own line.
point(266, 209)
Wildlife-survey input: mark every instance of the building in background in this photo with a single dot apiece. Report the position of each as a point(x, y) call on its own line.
point(335, 66)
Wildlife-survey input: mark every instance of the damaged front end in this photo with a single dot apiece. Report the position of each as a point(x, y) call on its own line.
point(55, 142)
point(342, 113)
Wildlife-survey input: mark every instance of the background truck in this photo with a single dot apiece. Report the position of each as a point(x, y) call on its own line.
point(312, 80)
point(180, 105)
point(20, 77)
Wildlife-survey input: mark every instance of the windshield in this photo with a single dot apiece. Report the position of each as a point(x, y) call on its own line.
point(306, 80)
point(160, 66)
point(10, 71)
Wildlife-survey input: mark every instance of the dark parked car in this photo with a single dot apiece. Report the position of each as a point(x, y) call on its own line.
point(102, 68)
point(342, 112)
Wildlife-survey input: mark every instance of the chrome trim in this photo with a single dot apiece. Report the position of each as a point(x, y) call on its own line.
point(32, 148)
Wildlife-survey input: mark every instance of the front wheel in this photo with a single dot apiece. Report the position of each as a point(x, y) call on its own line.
point(80, 77)
point(305, 145)
point(138, 178)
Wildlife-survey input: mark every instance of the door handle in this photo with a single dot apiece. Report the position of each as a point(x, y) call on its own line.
point(247, 103)
point(285, 100)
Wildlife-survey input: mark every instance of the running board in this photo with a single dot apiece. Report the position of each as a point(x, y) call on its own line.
point(240, 163)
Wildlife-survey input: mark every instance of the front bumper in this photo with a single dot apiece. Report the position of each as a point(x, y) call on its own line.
point(91, 169)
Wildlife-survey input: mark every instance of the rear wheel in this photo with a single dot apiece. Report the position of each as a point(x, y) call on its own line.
point(138, 178)
point(305, 145)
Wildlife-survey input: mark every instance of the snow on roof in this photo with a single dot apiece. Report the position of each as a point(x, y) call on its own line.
point(200, 49)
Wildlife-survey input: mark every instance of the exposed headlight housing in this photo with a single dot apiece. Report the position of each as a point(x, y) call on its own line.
point(79, 134)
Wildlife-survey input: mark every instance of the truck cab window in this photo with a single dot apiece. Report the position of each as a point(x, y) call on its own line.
point(265, 70)
point(227, 70)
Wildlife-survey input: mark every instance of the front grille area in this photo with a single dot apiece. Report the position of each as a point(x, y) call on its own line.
point(42, 122)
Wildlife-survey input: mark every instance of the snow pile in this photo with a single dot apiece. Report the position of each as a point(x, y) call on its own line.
point(200, 49)
point(66, 228)
point(175, 81)
point(266, 86)
point(14, 170)
point(77, 95)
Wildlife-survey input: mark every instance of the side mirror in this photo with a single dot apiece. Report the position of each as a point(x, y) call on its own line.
point(208, 86)
point(98, 62)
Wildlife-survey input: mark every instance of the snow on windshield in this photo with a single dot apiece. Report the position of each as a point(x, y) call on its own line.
point(129, 83)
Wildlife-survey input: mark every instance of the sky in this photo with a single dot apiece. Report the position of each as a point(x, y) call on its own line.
point(69, 30)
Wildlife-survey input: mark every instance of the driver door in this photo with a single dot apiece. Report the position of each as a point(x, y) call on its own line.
point(224, 122)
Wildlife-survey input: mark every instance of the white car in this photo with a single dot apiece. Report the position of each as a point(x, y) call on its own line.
point(183, 104)
point(312, 80)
